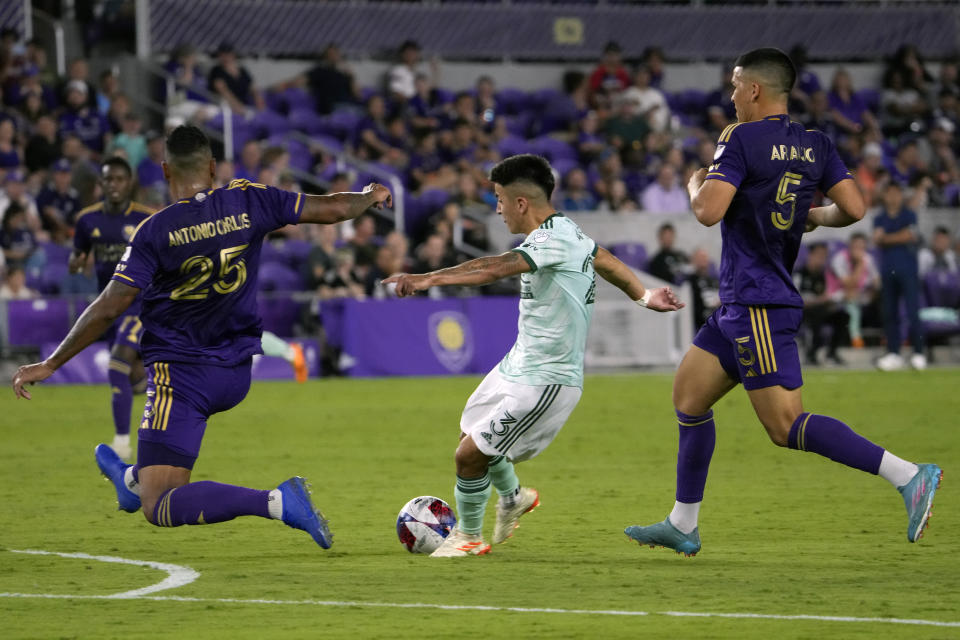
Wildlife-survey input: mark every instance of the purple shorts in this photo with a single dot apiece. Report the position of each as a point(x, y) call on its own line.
point(755, 345)
point(180, 398)
point(126, 330)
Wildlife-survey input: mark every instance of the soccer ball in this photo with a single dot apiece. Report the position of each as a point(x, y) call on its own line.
point(423, 523)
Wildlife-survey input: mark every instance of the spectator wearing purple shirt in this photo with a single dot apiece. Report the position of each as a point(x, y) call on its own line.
point(665, 195)
point(850, 112)
point(9, 153)
point(78, 118)
point(149, 171)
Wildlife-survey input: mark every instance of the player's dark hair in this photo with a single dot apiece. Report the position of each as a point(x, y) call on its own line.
point(524, 168)
point(940, 230)
point(120, 163)
point(773, 64)
point(188, 148)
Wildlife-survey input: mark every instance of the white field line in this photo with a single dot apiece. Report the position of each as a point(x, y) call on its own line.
point(179, 576)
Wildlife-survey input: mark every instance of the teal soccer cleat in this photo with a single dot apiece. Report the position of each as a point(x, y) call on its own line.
point(918, 497)
point(664, 534)
point(113, 468)
point(299, 511)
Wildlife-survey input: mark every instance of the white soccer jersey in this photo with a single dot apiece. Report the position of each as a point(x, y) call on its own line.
point(556, 303)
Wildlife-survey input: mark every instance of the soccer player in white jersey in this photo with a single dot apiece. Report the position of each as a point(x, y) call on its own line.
point(522, 403)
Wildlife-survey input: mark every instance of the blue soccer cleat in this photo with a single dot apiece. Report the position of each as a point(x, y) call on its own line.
point(918, 497)
point(113, 468)
point(664, 534)
point(299, 511)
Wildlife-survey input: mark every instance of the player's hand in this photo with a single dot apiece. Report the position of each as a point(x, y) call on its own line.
point(810, 226)
point(408, 284)
point(696, 180)
point(28, 374)
point(380, 193)
point(664, 299)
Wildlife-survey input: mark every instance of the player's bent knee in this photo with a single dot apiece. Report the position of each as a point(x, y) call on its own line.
point(778, 432)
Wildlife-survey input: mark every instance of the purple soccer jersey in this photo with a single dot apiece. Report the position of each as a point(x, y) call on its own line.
point(196, 264)
point(107, 236)
point(777, 167)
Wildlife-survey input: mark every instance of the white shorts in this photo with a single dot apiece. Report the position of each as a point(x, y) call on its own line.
point(516, 420)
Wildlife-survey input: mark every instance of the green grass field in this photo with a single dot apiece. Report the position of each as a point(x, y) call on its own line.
point(785, 533)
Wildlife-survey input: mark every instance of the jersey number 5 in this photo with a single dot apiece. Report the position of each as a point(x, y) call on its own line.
point(783, 197)
point(201, 270)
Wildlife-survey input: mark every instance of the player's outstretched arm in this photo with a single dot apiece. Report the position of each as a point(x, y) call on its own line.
point(96, 319)
point(709, 199)
point(848, 207)
point(477, 272)
point(611, 269)
point(338, 207)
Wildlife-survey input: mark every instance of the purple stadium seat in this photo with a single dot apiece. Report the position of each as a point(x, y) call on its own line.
point(296, 252)
point(267, 123)
point(271, 253)
point(512, 146)
point(297, 98)
point(306, 120)
point(542, 97)
point(512, 101)
point(563, 166)
point(328, 142)
point(33, 322)
point(300, 155)
point(519, 125)
point(633, 254)
point(276, 276)
point(553, 149)
point(342, 124)
point(274, 101)
point(870, 97)
point(445, 96)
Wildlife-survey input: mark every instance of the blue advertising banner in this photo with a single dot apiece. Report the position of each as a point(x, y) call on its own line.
point(422, 337)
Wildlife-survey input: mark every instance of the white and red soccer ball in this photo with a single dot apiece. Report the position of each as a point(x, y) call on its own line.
point(423, 523)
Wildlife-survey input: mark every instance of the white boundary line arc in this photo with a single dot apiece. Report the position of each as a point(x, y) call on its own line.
point(177, 575)
point(454, 607)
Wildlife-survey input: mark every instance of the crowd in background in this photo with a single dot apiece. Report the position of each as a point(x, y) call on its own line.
point(617, 141)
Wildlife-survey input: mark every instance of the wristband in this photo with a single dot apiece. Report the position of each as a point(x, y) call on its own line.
point(645, 300)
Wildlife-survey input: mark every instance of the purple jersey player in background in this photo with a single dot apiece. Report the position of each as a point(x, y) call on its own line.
point(766, 172)
point(104, 229)
point(196, 263)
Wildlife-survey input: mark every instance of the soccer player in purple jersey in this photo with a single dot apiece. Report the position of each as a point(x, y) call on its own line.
point(765, 174)
point(195, 265)
point(104, 229)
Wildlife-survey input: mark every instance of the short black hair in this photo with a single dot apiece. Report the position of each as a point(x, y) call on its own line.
point(524, 168)
point(120, 163)
point(941, 230)
point(773, 64)
point(817, 246)
point(188, 148)
point(666, 226)
point(857, 235)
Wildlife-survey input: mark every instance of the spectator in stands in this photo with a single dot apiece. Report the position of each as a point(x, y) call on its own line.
point(719, 103)
point(190, 101)
point(79, 72)
point(807, 82)
point(149, 171)
point(902, 107)
point(387, 263)
point(109, 84)
point(17, 240)
point(627, 129)
point(58, 202)
point(610, 77)
point(320, 263)
point(668, 264)
point(665, 195)
point(15, 287)
point(870, 173)
point(434, 254)
point(908, 62)
point(939, 256)
point(562, 114)
point(131, 140)
point(850, 112)
point(589, 142)
point(907, 163)
point(936, 153)
point(617, 199)
point(362, 242)
point(9, 152)
point(427, 167)
point(704, 287)
point(117, 112)
point(232, 82)
point(32, 86)
point(653, 60)
point(401, 79)
point(86, 179)
point(948, 80)
point(346, 281)
point(331, 82)
point(820, 310)
point(576, 196)
point(251, 156)
point(83, 121)
point(895, 233)
point(854, 281)
point(401, 247)
point(819, 116)
point(650, 102)
point(37, 59)
point(485, 91)
point(425, 107)
point(374, 137)
point(43, 147)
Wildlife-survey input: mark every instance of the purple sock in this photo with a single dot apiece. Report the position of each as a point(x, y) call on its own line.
point(122, 395)
point(208, 502)
point(136, 473)
point(833, 439)
point(698, 435)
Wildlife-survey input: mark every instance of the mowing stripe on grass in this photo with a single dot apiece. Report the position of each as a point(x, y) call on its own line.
point(459, 607)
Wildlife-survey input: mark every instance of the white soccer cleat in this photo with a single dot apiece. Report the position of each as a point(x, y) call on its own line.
point(918, 361)
point(459, 545)
point(527, 500)
point(121, 444)
point(890, 362)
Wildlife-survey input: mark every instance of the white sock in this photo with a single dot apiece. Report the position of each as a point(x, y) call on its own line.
point(128, 480)
point(684, 516)
point(896, 471)
point(275, 504)
point(121, 441)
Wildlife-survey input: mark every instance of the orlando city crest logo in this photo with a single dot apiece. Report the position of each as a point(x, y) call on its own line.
point(451, 339)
